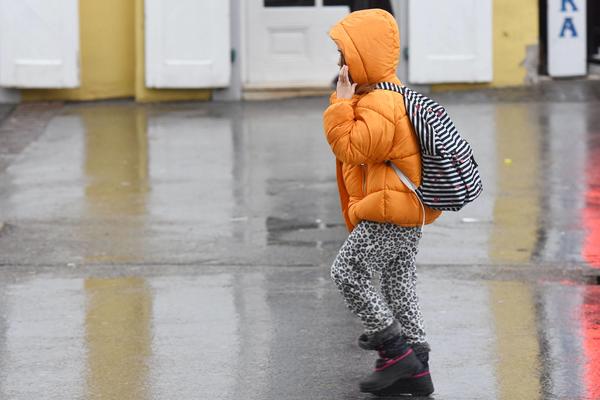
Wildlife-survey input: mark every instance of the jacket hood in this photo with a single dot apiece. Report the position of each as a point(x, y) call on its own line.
point(370, 42)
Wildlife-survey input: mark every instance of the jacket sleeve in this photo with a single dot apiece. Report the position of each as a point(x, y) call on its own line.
point(357, 134)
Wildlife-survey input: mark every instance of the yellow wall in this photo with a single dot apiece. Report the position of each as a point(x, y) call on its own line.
point(106, 35)
point(112, 53)
point(515, 27)
point(112, 57)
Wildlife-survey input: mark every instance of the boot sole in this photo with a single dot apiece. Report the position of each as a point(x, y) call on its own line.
point(402, 367)
point(417, 385)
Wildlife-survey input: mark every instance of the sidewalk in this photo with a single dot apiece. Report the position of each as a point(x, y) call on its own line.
point(5, 110)
point(183, 251)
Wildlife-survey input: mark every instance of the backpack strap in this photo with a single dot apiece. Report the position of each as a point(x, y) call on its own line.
point(407, 182)
point(390, 86)
point(410, 185)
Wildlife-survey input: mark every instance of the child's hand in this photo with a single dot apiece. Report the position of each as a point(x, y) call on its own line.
point(345, 89)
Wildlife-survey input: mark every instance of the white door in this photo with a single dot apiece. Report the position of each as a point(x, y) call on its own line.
point(187, 43)
point(287, 43)
point(450, 41)
point(39, 43)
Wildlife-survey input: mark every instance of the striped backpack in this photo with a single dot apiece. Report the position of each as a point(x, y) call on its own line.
point(450, 178)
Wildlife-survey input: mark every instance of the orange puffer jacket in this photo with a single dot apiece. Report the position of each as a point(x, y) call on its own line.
point(367, 131)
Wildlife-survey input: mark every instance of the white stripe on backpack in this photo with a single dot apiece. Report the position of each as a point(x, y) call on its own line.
point(450, 178)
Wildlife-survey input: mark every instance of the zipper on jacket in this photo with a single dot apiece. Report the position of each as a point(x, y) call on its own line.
point(364, 178)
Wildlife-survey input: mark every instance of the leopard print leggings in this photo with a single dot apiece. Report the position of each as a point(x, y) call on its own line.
point(390, 250)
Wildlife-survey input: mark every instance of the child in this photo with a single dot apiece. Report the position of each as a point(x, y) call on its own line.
point(367, 129)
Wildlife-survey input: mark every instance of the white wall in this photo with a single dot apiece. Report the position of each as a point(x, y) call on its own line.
point(234, 91)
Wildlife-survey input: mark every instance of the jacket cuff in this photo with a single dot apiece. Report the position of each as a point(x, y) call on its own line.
point(333, 99)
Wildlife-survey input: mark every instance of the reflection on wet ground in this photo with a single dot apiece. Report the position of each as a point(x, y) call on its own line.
point(253, 184)
point(181, 251)
point(282, 333)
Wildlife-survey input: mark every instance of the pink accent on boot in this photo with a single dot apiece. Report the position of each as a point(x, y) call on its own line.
point(420, 375)
point(393, 361)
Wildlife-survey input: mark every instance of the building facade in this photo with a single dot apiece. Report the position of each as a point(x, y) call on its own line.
point(159, 50)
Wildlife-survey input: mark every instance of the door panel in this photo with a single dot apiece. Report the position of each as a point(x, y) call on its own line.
point(187, 43)
point(39, 43)
point(450, 41)
point(287, 43)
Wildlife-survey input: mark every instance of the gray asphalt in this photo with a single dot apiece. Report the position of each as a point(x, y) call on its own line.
point(181, 251)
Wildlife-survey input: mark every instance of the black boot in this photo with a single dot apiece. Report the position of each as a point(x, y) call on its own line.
point(397, 359)
point(420, 384)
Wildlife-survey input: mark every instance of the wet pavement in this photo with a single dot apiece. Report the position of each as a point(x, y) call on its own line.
point(181, 251)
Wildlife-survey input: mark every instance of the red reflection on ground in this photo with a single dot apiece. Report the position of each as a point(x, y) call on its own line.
point(591, 254)
point(591, 212)
point(591, 340)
